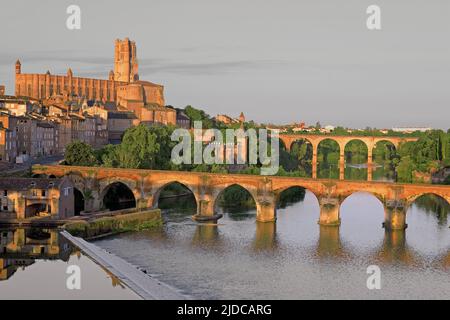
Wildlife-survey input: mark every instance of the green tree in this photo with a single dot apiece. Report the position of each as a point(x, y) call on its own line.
point(80, 154)
point(139, 149)
point(199, 115)
point(405, 170)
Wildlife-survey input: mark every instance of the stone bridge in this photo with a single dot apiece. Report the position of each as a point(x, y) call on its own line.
point(370, 141)
point(147, 185)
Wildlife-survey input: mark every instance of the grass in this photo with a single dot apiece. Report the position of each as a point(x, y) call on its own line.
point(114, 225)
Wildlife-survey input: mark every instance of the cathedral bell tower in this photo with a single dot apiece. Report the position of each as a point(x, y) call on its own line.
point(125, 61)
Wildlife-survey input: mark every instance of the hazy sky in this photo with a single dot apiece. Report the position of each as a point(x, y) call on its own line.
point(277, 60)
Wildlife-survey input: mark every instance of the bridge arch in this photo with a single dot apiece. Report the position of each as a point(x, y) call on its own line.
point(328, 163)
point(348, 197)
point(359, 148)
point(383, 153)
point(119, 194)
point(79, 201)
point(410, 201)
point(220, 190)
point(279, 193)
point(378, 196)
point(161, 188)
point(303, 149)
point(283, 145)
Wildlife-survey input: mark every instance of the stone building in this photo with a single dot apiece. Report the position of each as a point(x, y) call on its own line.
point(26, 137)
point(122, 85)
point(229, 120)
point(9, 137)
point(118, 123)
point(45, 142)
point(23, 198)
point(8, 143)
point(19, 106)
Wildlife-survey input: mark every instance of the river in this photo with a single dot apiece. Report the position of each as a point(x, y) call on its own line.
point(239, 258)
point(38, 264)
point(296, 258)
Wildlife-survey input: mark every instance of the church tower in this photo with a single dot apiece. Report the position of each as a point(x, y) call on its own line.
point(125, 61)
point(18, 67)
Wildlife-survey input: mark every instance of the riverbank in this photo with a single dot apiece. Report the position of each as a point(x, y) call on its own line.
point(111, 225)
point(141, 283)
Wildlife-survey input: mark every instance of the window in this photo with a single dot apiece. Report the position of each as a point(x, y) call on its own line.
point(5, 193)
point(43, 193)
point(5, 208)
point(66, 192)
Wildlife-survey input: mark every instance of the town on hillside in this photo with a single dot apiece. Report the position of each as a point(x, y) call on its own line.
point(49, 113)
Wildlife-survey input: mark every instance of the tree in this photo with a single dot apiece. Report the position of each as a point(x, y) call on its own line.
point(108, 156)
point(199, 115)
point(405, 169)
point(139, 149)
point(318, 126)
point(80, 154)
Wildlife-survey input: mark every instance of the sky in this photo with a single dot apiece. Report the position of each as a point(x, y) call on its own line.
point(278, 61)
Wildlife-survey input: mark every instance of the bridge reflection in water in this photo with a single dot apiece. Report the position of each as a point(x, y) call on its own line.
point(392, 249)
point(241, 257)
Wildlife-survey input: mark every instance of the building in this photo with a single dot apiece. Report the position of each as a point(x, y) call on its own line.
point(122, 85)
point(229, 120)
point(8, 144)
point(183, 121)
point(19, 106)
point(224, 119)
point(23, 198)
point(155, 114)
point(9, 140)
point(411, 129)
point(2, 90)
point(118, 123)
point(45, 142)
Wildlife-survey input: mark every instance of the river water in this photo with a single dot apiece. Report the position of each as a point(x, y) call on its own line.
point(296, 258)
point(38, 264)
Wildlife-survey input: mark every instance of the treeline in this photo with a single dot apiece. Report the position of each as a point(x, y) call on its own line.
point(145, 147)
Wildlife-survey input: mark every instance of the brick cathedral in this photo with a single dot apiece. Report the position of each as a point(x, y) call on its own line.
point(123, 87)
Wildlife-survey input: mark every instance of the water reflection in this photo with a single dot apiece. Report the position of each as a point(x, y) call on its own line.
point(265, 237)
point(312, 261)
point(20, 248)
point(329, 244)
point(206, 235)
point(395, 250)
point(33, 265)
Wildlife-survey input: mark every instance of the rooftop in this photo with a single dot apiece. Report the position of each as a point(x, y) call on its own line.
point(23, 184)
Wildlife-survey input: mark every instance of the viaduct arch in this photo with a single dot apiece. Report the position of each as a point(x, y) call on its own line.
point(370, 141)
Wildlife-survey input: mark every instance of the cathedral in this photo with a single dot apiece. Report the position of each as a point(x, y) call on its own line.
point(123, 87)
